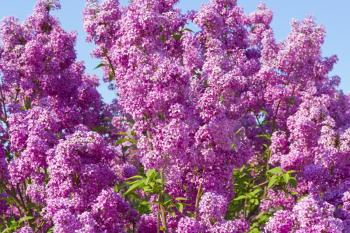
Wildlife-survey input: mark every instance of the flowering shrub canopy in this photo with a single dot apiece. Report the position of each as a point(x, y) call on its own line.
point(221, 130)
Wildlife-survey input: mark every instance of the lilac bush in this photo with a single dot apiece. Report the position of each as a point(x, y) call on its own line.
point(218, 130)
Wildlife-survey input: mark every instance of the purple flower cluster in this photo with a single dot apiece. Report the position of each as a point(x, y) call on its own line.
point(54, 166)
point(309, 215)
point(194, 106)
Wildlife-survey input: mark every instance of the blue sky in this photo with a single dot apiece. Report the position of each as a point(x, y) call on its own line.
point(333, 15)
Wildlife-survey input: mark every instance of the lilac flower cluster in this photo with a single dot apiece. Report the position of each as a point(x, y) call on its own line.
point(194, 106)
point(196, 98)
point(309, 215)
point(54, 167)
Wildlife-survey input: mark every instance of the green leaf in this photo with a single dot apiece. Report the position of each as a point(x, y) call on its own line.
point(159, 181)
point(275, 171)
point(133, 141)
point(148, 180)
point(148, 189)
point(293, 182)
point(117, 188)
point(294, 193)
point(286, 178)
point(137, 177)
point(168, 202)
point(242, 197)
point(143, 207)
point(135, 186)
point(254, 230)
point(99, 66)
point(180, 207)
point(272, 182)
point(187, 29)
point(123, 140)
point(123, 133)
point(25, 219)
point(133, 182)
point(151, 173)
point(264, 136)
point(256, 191)
point(177, 36)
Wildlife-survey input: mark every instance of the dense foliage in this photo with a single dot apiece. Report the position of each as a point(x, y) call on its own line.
point(217, 130)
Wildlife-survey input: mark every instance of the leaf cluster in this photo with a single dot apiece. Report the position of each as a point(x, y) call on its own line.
point(251, 187)
point(13, 224)
point(152, 183)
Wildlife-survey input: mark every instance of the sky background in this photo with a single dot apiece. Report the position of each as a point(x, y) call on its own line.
point(333, 15)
